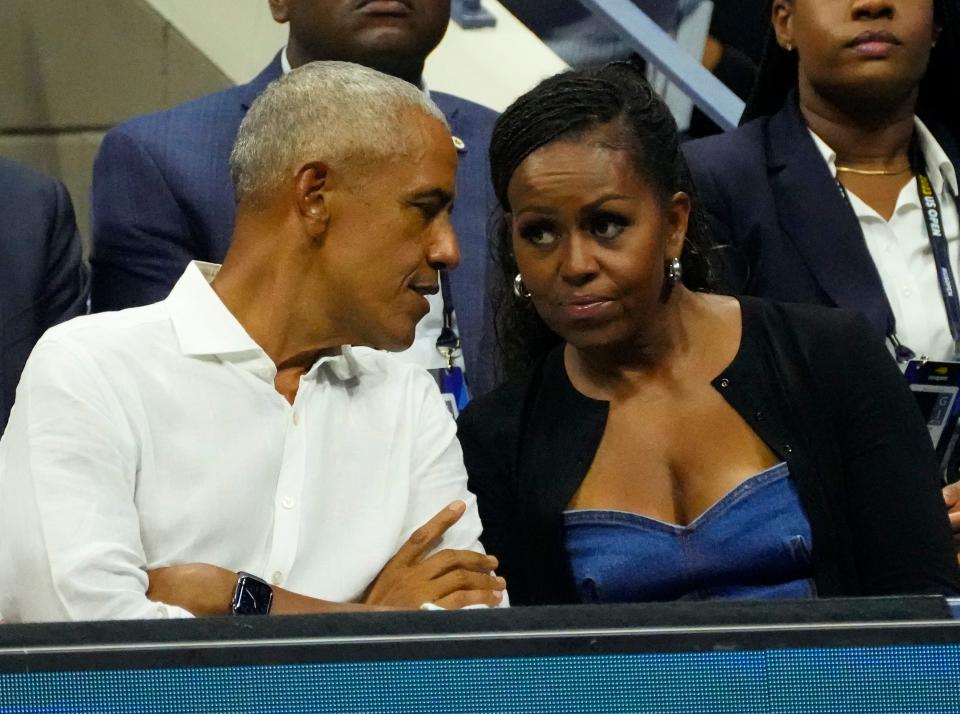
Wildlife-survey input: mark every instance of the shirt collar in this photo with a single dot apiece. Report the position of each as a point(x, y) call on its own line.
point(203, 324)
point(936, 158)
point(205, 327)
point(345, 366)
point(942, 172)
point(285, 66)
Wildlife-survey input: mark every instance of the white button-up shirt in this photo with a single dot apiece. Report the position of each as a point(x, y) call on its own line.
point(900, 249)
point(155, 436)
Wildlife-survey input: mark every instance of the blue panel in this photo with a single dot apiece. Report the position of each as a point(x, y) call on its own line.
point(889, 679)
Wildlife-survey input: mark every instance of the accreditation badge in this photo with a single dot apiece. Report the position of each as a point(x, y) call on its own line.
point(935, 386)
point(453, 387)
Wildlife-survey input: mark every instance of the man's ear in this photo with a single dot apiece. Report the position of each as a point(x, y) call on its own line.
point(781, 17)
point(313, 206)
point(678, 217)
point(280, 10)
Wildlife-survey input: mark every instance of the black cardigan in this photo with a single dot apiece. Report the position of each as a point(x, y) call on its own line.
point(819, 389)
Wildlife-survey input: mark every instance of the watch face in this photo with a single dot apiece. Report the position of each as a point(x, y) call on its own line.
point(252, 596)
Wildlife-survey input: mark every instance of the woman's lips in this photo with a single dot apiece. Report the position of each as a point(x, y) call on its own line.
point(587, 307)
point(877, 44)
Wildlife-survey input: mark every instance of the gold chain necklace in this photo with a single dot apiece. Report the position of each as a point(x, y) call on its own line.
point(870, 172)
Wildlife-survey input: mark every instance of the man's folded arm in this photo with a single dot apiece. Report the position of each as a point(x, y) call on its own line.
point(68, 464)
point(440, 476)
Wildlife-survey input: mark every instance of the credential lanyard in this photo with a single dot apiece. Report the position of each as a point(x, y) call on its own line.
point(450, 379)
point(448, 343)
point(933, 219)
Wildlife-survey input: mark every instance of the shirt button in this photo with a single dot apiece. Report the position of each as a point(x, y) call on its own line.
point(276, 578)
point(287, 502)
point(724, 383)
point(296, 418)
point(907, 292)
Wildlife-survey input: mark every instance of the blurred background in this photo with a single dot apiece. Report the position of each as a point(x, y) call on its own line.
point(71, 69)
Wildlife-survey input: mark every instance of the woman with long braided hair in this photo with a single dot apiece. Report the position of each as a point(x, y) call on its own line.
point(660, 441)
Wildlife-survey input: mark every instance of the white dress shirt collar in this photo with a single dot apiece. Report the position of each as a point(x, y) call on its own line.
point(285, 66)
point(206, 328)
point(203, 324)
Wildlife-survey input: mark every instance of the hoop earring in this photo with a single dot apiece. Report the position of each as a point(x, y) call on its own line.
point(673, 271)
point(519, 289)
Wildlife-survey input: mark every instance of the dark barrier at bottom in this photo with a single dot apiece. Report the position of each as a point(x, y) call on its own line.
point(844, 656)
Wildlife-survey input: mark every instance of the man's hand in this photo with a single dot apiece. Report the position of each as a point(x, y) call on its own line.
point(198, 588)
point(451, 578)
point(951, 496)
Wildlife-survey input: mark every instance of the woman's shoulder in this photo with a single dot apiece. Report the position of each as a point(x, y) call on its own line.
point(504, 412)
point(726, 166)
point(505, 402)
point(804, 317)
point(819, 332)
point(500, 411)
point(736, 150)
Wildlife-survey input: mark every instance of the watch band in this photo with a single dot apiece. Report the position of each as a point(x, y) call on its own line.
point(251, 596)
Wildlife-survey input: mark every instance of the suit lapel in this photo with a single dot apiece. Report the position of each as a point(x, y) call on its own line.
point(819, 221)
point(252, 89)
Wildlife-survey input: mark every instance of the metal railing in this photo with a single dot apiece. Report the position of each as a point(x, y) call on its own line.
point(652, 28)
point(661, 50)
point(470, 15)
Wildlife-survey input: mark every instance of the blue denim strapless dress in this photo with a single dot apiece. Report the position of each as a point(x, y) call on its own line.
point(754, 543)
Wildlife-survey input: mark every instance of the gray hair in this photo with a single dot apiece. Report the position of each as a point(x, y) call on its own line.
point(327, 111)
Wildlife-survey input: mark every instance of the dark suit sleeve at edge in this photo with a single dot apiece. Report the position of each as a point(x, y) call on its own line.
point(67, 283)
point(900, 533)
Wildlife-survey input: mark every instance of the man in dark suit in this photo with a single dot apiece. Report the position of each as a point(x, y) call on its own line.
point(161, 187)
point(43, 279)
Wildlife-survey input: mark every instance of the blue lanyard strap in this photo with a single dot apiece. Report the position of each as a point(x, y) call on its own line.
point(933, 219)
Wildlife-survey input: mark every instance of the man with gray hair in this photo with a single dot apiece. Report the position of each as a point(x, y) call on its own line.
point(238, 447)
point(176, 162)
